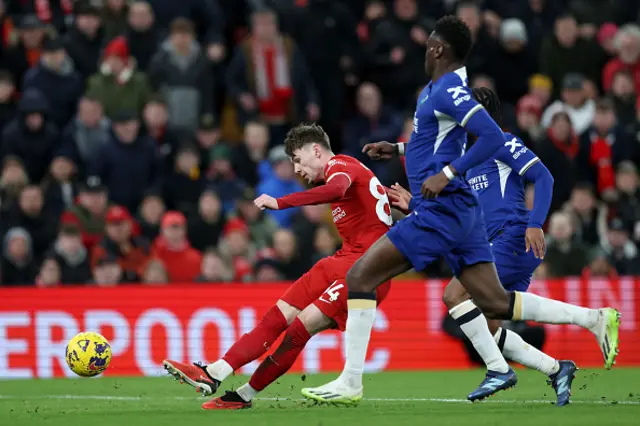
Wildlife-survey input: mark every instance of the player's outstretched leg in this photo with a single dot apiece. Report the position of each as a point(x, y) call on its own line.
point(309, 322)
point(250, 346)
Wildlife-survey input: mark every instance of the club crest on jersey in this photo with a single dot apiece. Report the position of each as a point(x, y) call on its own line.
point(459, 94)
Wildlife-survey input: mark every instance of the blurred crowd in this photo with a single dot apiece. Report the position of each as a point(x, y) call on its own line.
point(134, 135)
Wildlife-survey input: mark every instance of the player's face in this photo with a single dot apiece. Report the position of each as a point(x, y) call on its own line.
point(434, 51)
point(306, 163)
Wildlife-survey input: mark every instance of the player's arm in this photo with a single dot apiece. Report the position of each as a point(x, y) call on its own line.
point(335, 189)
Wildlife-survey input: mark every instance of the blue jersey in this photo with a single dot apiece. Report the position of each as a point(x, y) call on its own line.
point(500, 186)
point(439, 137)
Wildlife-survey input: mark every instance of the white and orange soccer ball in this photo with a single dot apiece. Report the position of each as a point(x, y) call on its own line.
point(88, 354)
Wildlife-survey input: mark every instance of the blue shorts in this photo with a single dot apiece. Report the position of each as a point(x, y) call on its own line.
point(515, 266)
point(451, 227)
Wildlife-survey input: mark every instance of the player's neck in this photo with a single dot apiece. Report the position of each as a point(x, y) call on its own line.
point(325, 157)
point(445, 69)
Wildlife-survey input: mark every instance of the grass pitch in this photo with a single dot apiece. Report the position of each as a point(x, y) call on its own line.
point(413, 398)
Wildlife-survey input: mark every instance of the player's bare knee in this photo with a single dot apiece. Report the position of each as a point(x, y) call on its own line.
point(289, 312)
point(314, 320)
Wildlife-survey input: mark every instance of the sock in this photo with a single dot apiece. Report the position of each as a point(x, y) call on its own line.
point(283, 358)
point(529, 307)
point(253, 344)
point(516, 349)
point(474, 326)
point(220, 370)
point(246, 392)
point(362, 314)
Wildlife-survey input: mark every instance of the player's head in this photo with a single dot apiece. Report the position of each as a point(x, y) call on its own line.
point(308, 146)
point(489, 100)
point(449, 43)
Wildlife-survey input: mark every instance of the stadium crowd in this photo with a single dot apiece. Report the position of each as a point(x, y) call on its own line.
point(134, 135)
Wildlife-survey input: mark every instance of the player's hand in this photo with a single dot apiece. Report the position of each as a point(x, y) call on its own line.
point(400, 197)
point(266, 202)
point(534, 239)
point(380, 150)
point(434, 185)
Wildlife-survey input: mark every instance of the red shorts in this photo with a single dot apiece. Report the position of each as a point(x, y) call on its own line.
point(324, 285)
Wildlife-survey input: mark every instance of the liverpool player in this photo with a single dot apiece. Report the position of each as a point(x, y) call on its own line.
point(318, 300)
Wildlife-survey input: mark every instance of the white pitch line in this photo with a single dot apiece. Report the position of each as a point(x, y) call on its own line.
point(445, 400)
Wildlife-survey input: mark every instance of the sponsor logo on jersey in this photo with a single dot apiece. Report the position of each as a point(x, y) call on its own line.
point(513, 144)
point(459, 94)
point(334, 162)
point(479, 183)
point(338, 214)
point(415, 124)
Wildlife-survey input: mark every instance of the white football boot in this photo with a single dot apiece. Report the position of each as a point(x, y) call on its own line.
point(606, 332)
point(335, 392)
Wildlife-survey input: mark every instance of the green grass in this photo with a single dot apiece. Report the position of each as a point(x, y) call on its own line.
point(600, 398)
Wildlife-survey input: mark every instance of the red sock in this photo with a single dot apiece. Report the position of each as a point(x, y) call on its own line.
point(283, 358)
point(255, 343)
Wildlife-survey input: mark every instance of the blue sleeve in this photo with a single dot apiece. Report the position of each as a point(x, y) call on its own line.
point(458, 104)
point(542, 181)
point(515, 155)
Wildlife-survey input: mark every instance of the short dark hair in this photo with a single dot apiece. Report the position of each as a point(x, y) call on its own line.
point(490, 101)
point(457, 34)
point(304, 134)
point(182, 25)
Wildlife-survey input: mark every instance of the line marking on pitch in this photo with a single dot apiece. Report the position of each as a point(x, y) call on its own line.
point(444, 400)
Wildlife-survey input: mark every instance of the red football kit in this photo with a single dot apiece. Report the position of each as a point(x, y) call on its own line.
point(362, 214)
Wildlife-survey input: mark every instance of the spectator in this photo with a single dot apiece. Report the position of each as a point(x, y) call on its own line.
point(83, 42)
point(479, 58)
point(71, 256)
point(280, 183)
point(128, 164)
point(84, 136)
point(237, 249)
point(305, 224)
point(602, 147)
point(30, 215)
point(565, 52)
point(249, 157)
point(623, 94)
point(513, 62)
point(31, 136)
point(564, 257)
point(8, 104)
point(558, 152)
point(606, 37)
point(371, 123)
point(114, 18)
point(182, 73)
point(627, 43)
point(206, 15)
point(541, 87)
point(16, 266)
point(213, 270)
point(223, 178)
point(107, 272)
point(182, 261)
point(132, 252)
point(574, 102)
point(268, 270)
point(143, 36)
point(628, 203)
point(155, 273)
point(156, 118)
point(25, 53)
point(183, 186)
point(268, 77)
point(620, 250)
point(483, 80)
point(287, 254)
point(151, 211)
point(89, 211)
point(60, 188)
point(324, 244)
point(528, 113)
point(13, 179)
point(207, 224)
point(207, 136)
point(118, 86)
point(590, 215)
point(599, 266)
point(49, 275)
point(261, 226)
point(55, 76)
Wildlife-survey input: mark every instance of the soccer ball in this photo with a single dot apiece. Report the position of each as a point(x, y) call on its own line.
point(88, 354)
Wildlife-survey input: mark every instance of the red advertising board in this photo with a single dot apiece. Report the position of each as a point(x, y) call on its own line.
point(199, 322)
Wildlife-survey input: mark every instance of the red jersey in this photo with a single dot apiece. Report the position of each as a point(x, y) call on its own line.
point(359, 203)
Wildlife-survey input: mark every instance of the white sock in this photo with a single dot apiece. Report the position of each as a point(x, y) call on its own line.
point(530, 307)
point(358, 332)
point(523, 353)
point(474, 326)
point(220, 370)
point(246, 392)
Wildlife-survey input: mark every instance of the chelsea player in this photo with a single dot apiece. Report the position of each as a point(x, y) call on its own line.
point(447, 220)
